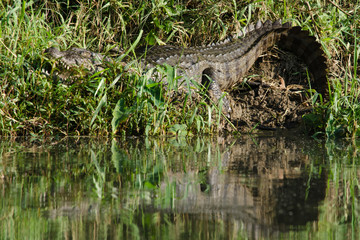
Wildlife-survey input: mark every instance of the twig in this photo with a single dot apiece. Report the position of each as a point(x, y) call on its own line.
point(7, 48)
point(338, 7)
point(312, 18)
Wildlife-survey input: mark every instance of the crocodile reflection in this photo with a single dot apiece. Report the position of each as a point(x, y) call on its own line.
point(267, 185)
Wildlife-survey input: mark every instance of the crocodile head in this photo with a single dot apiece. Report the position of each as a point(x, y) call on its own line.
point(75, 62)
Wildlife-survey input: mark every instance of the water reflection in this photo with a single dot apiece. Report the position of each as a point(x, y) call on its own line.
point(266, 186)
point(263, 184)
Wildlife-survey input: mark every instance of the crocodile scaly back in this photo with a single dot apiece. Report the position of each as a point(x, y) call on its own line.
point(228, 61)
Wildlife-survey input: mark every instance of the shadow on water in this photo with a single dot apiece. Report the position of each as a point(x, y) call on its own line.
point(272, 185)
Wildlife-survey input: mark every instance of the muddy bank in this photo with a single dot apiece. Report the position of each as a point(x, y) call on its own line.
point(275, 94)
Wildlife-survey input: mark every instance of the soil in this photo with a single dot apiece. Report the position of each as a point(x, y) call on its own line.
point(273, 95)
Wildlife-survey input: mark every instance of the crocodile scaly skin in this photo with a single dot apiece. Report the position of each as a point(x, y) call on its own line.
point(218, 66)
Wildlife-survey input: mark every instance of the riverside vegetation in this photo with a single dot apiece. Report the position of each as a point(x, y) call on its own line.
point(117, 101)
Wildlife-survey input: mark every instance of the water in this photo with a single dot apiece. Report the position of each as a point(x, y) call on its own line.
point(268, 186)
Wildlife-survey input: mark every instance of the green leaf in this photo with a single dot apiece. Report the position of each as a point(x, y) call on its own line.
point(155, 92)
point(102, 102)
point(120, 114)
point(101, 86)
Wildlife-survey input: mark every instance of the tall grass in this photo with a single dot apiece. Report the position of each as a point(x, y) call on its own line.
point(124, 100)
point(342, 114)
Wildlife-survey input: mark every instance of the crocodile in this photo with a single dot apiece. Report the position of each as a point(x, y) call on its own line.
point(219, 66)
point(71, 62)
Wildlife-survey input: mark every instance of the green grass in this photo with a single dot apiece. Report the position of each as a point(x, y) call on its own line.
point(129, 102)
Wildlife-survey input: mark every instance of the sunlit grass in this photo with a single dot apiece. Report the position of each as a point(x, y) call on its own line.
point(339, 117)
point(123, 100)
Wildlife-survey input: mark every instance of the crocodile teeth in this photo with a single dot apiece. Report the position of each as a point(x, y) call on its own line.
point(160, 60)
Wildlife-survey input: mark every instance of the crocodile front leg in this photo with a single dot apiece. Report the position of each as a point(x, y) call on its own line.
point(193, 65)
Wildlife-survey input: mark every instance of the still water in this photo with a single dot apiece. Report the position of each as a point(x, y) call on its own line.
point(273, 185)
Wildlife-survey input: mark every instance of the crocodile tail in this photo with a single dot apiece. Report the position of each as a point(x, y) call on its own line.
point(309, 50)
